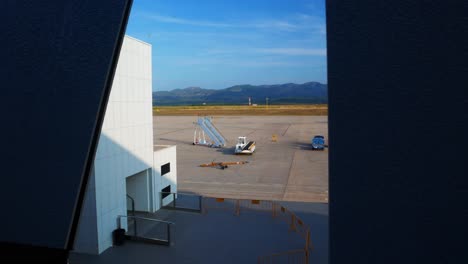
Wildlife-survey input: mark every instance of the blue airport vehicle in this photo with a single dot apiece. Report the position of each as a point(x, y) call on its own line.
point(318, 142)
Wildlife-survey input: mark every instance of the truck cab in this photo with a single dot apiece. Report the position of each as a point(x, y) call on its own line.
point(318, 142)
point(244, 147)
point(241, 141)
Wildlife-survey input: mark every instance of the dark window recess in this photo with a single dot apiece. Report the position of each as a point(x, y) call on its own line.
point(165, 168)
point(166, 191)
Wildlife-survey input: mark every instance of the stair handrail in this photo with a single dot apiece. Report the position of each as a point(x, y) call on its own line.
point(174, 206)
point(215, 131)
point(219, 132)
point(208, 131)
point(147, 218)
point(168, 225)
point(133, 203)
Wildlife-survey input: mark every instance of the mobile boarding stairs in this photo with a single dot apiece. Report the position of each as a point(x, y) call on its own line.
point(203, 127)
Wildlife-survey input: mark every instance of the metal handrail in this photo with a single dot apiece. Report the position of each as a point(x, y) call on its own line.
point(135, 235)
point(219, 132)
point(146, 218)
point(174, 206)
point(152, 240)
point(133, 203)
point(236, 205)
point(209, 132)
point(133, 213)
point(188, 194)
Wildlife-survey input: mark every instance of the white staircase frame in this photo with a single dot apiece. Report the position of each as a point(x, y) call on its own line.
point(207, 127)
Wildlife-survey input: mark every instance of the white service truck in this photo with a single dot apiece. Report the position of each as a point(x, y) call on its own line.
point(244, 147)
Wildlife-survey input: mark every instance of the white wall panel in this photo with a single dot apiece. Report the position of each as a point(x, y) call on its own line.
point(163, 155)
point(124, 142)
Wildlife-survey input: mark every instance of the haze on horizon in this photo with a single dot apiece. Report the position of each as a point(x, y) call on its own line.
point(218, 44)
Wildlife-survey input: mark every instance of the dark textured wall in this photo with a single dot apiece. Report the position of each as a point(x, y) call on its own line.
point(57, 63)
point(398, 131)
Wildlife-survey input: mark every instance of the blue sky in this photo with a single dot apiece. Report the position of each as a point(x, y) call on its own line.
point(217, 44)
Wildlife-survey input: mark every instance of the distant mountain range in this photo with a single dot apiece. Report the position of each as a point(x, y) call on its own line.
point(288, 93)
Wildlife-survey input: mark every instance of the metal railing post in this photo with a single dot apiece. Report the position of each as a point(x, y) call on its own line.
point(293, 223)
point(169, 234)
point(200, 203)
point(273, 206)
point(174, 198)
point(135, 227)
point(133, 213)
point(204, 209)
point(159, 240)
point(308, 244)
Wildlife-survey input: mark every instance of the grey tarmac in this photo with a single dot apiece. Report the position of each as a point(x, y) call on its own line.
point(286, 170)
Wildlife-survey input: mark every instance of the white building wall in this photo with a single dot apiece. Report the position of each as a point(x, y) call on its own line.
point(126, 143)
point(139, 188)
point(163, 155)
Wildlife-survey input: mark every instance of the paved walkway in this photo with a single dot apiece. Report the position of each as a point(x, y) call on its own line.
point(221, 237)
